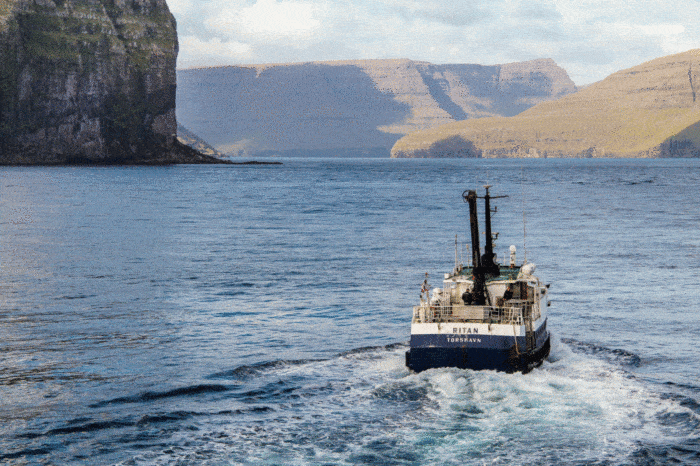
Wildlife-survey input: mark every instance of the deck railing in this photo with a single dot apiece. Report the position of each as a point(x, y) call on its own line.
point(508, 314)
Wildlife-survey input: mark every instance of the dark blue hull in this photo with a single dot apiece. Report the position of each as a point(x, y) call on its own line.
point(500, 359)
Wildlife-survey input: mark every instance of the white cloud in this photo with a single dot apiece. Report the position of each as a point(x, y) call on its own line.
point(462, 13)
point(195, 52)
point(179, 6)
point(671, 37)
point(268, 20)
point(589, 38)
point(663, 29)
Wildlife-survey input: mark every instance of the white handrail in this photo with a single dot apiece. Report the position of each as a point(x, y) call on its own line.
point(510, 315)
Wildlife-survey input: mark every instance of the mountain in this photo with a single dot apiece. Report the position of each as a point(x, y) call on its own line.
point(89, 81)
point(352, 107)
point(651, 110)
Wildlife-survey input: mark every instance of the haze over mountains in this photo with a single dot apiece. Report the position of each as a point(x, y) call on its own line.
point(352, 107)
point(651, 110)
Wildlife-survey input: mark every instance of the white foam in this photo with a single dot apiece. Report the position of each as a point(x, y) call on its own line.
point(575, 408)
point(584, 406)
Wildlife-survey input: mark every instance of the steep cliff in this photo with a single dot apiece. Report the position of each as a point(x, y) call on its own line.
point(651, 110)
point(190, 139)
point(352, 107)
point(88, 81)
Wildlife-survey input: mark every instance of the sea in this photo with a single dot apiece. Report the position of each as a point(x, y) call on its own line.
point(259, 314)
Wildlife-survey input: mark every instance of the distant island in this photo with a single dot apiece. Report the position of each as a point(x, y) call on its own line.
point(351, 108)
point(651, 110)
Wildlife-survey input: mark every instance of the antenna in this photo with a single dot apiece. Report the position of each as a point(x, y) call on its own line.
point(491, 268)
point(524, 234)
point(522, 188)
point(456, 258)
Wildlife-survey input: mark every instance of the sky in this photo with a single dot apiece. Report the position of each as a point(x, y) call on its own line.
point(590, 39)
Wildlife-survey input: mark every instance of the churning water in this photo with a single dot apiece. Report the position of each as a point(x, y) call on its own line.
point(260, 314)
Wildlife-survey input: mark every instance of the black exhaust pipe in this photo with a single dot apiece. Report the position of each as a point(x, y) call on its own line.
point(478, 296)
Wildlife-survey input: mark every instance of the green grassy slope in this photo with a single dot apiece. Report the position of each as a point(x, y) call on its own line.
point(651, 110)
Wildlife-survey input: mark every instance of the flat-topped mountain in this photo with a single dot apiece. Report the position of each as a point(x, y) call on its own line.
point(651, 110)
point(355, 107)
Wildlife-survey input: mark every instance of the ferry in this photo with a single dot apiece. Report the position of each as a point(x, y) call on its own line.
point(486, 316)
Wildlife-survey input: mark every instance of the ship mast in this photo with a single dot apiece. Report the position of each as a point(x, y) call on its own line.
point(488, 247)
point(490, 267)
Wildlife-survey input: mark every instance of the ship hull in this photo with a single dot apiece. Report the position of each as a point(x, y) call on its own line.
point(505, 359)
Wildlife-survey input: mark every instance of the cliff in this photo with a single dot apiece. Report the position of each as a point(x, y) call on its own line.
point(190, 139)
point(89, 81)
point(351, 107)
point(651, 110)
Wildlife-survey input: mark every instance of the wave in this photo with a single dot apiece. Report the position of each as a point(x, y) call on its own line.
point(247, 371)
point(254, 372)
point(251, 370)
point(193, 390)
point(619, 356)
point(636, 182)
point(582, 406)
point(27, 452)
point(373, 349)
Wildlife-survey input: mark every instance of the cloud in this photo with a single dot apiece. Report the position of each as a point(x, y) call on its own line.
point(178, 7)
point(463, 13)
point(589, 38)
point(195, 52)
point(663, 29)
point(532, 11)
point(268, 20)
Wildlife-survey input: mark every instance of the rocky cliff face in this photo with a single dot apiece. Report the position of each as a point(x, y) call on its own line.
point(352, 107)
point(88, 81)
point(190, 139)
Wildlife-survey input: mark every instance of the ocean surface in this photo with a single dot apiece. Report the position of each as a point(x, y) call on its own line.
point(259, 315)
